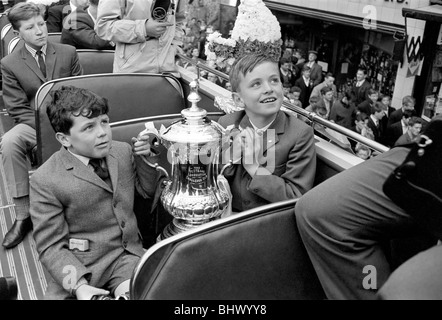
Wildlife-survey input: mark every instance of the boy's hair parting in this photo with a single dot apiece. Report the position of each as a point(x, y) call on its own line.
point(244, 65)
point(313, 99)
point(408, 100)
point(415, 120)
point(377, 107)
point(326, 89)
point(296, 89)
point(319, 109)
point(70, 101)
point(23, 11)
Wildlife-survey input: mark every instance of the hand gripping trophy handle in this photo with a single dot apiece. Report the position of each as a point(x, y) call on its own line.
point(155, 142)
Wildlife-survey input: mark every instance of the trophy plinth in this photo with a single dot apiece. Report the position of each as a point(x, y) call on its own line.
point(192, 195)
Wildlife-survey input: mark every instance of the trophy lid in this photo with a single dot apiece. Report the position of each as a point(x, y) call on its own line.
point(195, 127)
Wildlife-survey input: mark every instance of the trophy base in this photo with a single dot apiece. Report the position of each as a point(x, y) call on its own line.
point(180, 225)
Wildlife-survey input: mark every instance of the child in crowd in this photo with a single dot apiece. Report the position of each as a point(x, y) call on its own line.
point(82, 200)
point(273, 153)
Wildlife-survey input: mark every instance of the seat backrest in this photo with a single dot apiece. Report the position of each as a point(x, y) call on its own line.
point(96, 61)
point(54, 37)
point(257, 254)
point(7, 35)
point(14, 43)
point(130, 96)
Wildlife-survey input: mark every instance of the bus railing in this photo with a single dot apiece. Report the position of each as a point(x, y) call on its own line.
point(311, 117)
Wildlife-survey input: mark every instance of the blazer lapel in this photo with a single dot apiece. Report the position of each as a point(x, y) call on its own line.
point(51, 58)
point(112, 165)
point(277, 128)
point(273, 132)
point(81, 171)
point(31, 63)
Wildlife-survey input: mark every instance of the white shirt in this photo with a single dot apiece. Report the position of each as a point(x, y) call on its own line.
point(359, 83)
point(33, 52)
point(260, 131)
point(404, 127)
point(306, 81)
point(375, 120)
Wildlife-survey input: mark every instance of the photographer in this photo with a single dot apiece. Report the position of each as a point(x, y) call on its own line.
point(143, 42)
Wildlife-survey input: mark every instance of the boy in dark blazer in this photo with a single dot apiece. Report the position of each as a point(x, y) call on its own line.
point(84, 226)
point(23, 72)
point(273, 153)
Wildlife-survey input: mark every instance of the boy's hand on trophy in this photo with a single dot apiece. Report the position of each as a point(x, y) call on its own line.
point(141, 146)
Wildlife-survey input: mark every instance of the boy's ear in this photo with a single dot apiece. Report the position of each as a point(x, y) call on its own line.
point(237, 99)
point(63, 139)
point(16, 33)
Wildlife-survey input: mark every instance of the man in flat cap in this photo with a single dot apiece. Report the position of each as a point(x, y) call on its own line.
point(316, 69)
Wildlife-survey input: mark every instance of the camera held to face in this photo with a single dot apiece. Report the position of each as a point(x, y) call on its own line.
point(161, 8)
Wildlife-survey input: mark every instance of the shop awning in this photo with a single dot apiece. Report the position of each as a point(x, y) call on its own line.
point(332, 17)
point(429, 13)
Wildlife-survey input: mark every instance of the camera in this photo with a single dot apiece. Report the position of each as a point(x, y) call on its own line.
point(161, 8)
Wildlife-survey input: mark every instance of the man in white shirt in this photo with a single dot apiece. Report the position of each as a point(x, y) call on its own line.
point(360, 90)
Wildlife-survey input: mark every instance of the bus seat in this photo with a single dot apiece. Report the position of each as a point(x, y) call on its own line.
point(54, 37)
point(257, 254)
point(96, 61)
point(7, 35)
point(15, 42)
point(130, 96)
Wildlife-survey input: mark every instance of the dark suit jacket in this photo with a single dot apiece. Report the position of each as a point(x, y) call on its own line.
point(70, 201)
point(379, 134)
point(78, 31)
point(293, 170)
point(394, 132)
point(365, 107)
point(361, 93)
point(316, 74)
point(22, 77)
point(56, 15)
point(306, 91)
point(395, 117)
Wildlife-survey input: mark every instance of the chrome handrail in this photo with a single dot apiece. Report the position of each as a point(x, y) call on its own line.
point(310, 116)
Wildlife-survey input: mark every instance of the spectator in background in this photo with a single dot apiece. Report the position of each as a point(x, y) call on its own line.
point(413, 132)
point(142, 44)
point(287, 77)
point(374, 123)
point(361, 87)
point(306, 85)
point(408, 103)
point(328, 82)
point(343, 111)
point(296, 93)
point(78, 29)
point(326, 100)
point(367, 105)
point(362, 151)
point(397, 129)
point(58, 12)
point(361, 126)
point(316, 69)
point(23, 72)
point(386, 101)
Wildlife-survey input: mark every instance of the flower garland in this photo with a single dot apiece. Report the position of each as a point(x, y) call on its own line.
point(256, 30)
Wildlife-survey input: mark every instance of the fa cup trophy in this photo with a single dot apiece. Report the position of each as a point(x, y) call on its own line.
point(191, 193)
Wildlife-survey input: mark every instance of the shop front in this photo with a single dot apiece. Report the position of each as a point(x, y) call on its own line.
point(348, 34)
point(427, 51)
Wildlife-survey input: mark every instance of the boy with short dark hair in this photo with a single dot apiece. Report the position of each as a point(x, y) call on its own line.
point(82, 198)
point(274, 153)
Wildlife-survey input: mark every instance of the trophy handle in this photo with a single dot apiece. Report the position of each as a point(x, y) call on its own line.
point(155, 143)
